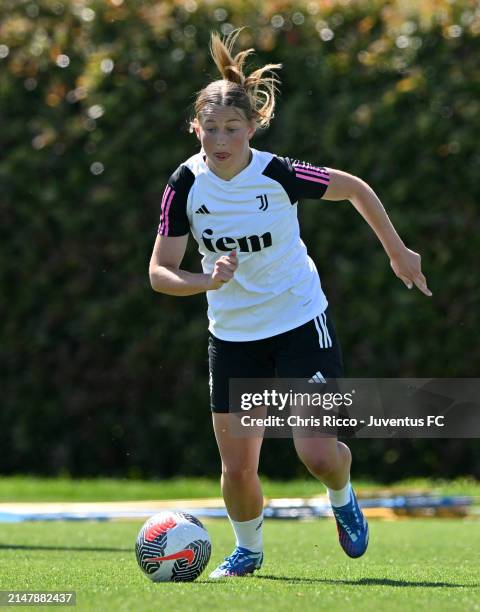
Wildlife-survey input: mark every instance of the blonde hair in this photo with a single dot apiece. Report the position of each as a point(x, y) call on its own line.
point(254, 94)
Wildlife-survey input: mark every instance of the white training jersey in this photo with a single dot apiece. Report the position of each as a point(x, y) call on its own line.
point(276, 286)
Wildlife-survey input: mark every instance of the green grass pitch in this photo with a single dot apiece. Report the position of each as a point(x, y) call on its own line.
point(420, 564)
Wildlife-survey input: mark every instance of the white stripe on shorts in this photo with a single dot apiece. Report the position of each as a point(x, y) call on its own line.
point(321, 340)
point(324, 319)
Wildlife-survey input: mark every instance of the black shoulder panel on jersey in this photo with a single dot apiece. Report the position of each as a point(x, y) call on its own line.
point(173, 215)
point(300, 179)
point(280, 170)
point(311, 181)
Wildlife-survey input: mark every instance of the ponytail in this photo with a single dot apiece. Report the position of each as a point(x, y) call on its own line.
point(254, 94)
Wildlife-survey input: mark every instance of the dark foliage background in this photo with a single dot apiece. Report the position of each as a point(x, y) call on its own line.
point(100, 375)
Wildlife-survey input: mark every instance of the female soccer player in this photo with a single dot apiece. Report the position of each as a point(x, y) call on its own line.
point(267, 312)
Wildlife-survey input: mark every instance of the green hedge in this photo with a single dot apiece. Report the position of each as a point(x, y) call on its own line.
point(100, 375)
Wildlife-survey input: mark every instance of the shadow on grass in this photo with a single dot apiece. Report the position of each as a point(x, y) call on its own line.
point(368, 582)
point(66, 548)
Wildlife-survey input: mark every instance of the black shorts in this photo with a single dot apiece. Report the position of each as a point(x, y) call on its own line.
point(304, 352)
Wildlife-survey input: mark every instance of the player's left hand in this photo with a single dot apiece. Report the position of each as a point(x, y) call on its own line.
point(407, 266)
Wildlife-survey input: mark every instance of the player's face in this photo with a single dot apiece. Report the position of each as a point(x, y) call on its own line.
point(225, 133)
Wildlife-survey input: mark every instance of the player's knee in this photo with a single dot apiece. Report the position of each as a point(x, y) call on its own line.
point(320, 464)
point(238, 474)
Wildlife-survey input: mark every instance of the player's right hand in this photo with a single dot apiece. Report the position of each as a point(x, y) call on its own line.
point(224, 270)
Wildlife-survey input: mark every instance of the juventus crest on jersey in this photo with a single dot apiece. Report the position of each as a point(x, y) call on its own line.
point(276, 286)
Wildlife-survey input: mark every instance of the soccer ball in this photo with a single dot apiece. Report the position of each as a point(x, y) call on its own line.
point(173, 547)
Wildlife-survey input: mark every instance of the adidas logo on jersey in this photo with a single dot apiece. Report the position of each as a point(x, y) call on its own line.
point(203, 210)
point(245, 244)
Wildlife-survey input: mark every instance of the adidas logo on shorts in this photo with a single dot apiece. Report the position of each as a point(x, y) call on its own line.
point(317, 378)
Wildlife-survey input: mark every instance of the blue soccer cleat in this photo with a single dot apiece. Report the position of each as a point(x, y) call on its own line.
point(241, 562)
point(352, 527)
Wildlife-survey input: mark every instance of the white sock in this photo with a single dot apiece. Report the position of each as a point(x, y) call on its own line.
point(249, 533)
point(340, 497)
